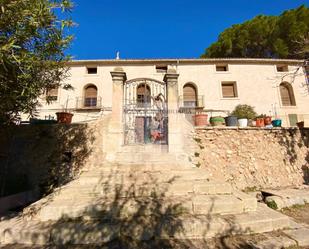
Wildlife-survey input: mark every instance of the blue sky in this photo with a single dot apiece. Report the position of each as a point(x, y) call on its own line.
point(160, 28)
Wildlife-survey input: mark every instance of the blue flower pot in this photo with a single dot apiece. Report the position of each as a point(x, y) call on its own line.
point(276, 123)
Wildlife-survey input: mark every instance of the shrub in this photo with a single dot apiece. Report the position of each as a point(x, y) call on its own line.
point(244, 111)
point(272, 204)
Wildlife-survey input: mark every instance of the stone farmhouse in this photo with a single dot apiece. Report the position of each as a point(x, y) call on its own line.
point(141, 93)
point(134, 169)
point(273, 87)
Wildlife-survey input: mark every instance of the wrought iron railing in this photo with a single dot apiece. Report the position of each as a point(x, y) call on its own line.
point(89, 103)
point(198, 103)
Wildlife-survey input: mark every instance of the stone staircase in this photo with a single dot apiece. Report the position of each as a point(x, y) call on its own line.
point(149, 156)
point(162, 197)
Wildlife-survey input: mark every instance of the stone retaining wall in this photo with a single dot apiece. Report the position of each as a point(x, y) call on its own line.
point(254, 157)
point(42, 157)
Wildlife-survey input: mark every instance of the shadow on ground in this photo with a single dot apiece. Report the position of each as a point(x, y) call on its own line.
point(134, 213)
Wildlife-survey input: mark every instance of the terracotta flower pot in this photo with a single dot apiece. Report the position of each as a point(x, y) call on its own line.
point(201, 119)
point(64, 117)
point(260, 122)
point(267, 120)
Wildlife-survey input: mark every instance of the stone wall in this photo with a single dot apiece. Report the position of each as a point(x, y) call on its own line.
point(253, 157)
point(42, 157)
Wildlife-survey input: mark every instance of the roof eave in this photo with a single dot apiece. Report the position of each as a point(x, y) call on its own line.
point(186, 61)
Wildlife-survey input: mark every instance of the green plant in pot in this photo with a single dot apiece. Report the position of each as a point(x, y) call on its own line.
point(217, 121)
point(244, 113)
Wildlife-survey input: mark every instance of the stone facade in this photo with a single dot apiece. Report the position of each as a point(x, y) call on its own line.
point(250, 158)
point(256, 82)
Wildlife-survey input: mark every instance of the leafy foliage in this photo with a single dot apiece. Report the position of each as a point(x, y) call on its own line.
point(244, 111)
point(33, 39)
point(281, 36)
point(272, 204)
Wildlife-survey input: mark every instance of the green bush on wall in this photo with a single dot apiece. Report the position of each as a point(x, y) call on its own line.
point(244, 111)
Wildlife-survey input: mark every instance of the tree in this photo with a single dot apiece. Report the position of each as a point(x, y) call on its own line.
point(265, 37)
point(33, 39)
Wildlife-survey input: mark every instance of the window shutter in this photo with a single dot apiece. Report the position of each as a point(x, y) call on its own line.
point(293, 119)
point(285, 95)
point(53, 92)
point(189, 93)
point(221, 68)
point(91, 92)
point(228, 90)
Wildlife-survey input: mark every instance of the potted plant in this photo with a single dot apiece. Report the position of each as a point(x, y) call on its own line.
point(217, 121)
point(201, 119)
point(260, 120)
point(267, 120)
point(277, 122)
point(243, 113)
point(64, 117)
point(231, 120)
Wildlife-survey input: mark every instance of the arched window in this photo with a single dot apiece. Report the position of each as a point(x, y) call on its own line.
point(287, 94)
point(189, 95)
point(143, 95)
point(91, 93)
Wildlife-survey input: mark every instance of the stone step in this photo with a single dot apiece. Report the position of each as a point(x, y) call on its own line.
point(141, 167)
point(153, 148)
point(90, 232)
point(150, 157)
point(93, 182)
point(262, 220)
point(119, 168)
point(217, 204)
point(144, 176)
point(18, 231)
point(191, 174)
point(93, 178)
point(97, 207)
point(109, 189)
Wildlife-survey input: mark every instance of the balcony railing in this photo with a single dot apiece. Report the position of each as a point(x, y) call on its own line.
point(199, 103)
point(88, 103)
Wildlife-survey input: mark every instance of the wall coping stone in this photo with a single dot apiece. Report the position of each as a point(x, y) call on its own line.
point(248, 128)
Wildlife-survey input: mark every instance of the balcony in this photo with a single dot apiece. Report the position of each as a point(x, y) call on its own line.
point(88, 103)
point(191, 104)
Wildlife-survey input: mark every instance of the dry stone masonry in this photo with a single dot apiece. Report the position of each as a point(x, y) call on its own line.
point(254, 157)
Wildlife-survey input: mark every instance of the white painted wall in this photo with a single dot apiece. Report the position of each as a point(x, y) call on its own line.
point(257, 85)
